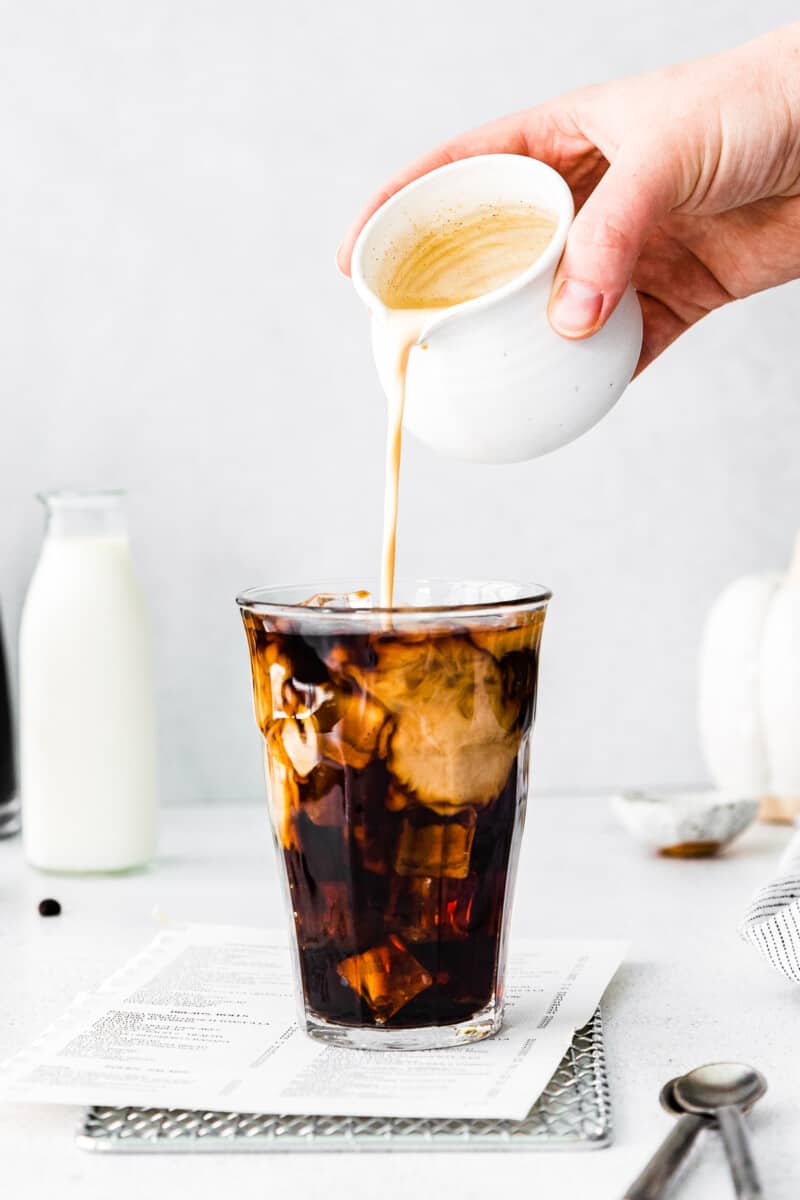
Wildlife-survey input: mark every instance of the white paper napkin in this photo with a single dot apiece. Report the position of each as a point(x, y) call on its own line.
point(772, 922)
point(204, 1017)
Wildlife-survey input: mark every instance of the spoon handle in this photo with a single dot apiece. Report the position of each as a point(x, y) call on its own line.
point(737, 1147)
point(655, 1177)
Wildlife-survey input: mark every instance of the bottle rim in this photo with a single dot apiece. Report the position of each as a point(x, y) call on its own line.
point(80, 498)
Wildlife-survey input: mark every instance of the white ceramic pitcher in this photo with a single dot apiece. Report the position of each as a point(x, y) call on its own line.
point(495, 383)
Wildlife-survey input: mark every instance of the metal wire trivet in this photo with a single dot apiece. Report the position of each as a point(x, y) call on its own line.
point(572, 1113)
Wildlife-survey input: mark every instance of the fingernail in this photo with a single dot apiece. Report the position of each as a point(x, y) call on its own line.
point(576, 308)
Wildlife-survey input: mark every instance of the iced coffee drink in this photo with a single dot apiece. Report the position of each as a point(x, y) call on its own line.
point(397, 765)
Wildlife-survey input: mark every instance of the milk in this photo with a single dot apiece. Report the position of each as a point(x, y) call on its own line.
point(87, 726)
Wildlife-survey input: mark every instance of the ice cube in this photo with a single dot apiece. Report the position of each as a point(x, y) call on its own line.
point(293, 697)
point(323, 797)
point(371, 848)
point(264, 654)
point(360, 733)
point(386, 976)
point(453, 725)
point(499, 640)
point(325, 914)
point(300, 743)
point(374, 827)
point(397, 800)
point(435, 848)
point(346, 727)
point(359, 599)
point(282, 792)
point(424, 909)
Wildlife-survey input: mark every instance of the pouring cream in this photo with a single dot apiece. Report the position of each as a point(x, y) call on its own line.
point(454, 260)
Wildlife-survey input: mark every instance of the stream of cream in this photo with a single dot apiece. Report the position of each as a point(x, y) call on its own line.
point(455, 260)
point(406, 325)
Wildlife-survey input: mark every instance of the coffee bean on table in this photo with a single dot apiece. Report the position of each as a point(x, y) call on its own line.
point(49, 908)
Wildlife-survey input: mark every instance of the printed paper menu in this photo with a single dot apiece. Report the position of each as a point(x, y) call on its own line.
point(205, 1017)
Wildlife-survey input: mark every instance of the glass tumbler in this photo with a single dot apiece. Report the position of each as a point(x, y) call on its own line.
point(396, 751)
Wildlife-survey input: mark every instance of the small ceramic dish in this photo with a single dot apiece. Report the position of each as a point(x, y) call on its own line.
point(684, 824)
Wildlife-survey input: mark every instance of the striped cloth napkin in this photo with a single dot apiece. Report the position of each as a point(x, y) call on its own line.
point(772, 922)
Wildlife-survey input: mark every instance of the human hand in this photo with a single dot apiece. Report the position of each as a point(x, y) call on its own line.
point(686, 181)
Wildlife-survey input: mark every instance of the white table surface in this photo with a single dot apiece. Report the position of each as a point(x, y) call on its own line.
point(690, 992)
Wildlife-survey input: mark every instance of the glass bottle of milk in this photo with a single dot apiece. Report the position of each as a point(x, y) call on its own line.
point(9, 813)
point(87, 762)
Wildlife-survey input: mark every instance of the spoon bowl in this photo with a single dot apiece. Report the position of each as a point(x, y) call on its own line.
point(667, 1100)
point(670, 1103)
point(715, 1086)
point(725, 1091)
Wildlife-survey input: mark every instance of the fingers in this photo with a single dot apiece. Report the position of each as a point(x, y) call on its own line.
point(636, 192)
point(505, 136)
point(661, 328)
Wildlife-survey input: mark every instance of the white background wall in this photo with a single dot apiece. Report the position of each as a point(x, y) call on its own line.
point(175, 176)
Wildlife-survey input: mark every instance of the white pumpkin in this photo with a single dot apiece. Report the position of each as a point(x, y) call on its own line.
point(749, 690)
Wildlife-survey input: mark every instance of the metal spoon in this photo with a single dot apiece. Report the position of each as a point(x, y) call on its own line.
point(723, 1090)
point(666, 1098)
point(652, 1182)
point(654, 1179)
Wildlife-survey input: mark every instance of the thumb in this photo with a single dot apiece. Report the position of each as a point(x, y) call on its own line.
point(606, 239)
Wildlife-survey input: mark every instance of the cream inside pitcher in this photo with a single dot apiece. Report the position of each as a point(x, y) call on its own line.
point(487, 379)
